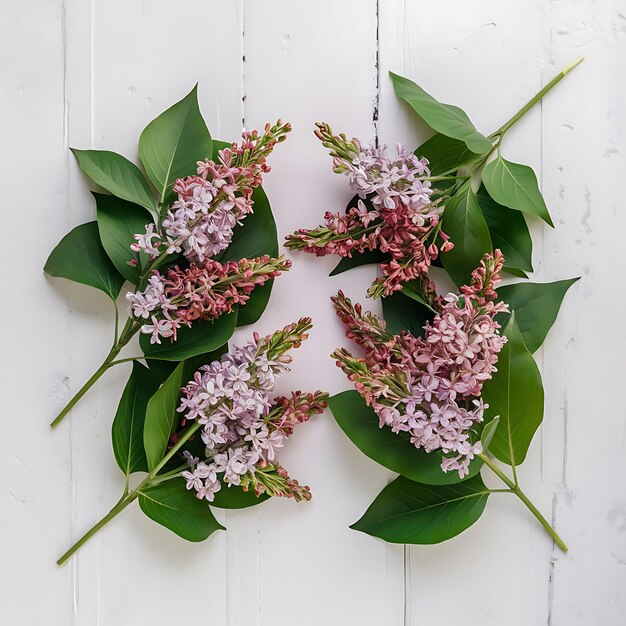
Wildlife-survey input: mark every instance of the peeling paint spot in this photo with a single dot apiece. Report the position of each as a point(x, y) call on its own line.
point(587, 214)
point(22, 500)
point(617, 517)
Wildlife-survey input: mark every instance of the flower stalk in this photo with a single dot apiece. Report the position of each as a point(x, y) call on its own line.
point(514, 488)
point(128, 332)
point(531, 103)
point(199, 224)
point(228, 403)
point(130, 497)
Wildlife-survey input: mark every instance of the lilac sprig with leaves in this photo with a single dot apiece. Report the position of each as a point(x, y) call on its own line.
point(446, 399)
point(180, 236)
point(447, 384)
point(213, 439)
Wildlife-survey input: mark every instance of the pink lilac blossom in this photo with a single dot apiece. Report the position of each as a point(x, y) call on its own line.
point(204, 291)
point(200, 222)
point(395, 214)
point(242, 428)
point(430, 387)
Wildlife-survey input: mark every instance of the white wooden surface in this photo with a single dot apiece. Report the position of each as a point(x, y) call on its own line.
point(92, 74)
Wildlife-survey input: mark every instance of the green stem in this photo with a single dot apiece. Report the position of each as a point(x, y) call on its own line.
point(522, 496)
point(529, 105)
point(127, 498)
point(129, 330)
point(118, 508)
point(174, 449)
point(85, 388)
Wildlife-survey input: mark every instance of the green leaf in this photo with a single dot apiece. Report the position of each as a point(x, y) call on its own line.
point(464, 223)
point(402, 313)
point(413, 289)
point(253, 309)
point(488, 432)
point(359, 258)
point(128, 425)
point(118, 176)
point(236, 498)
point(254, 237)
point(118, 221)
point(446, 119)
point(80, 257)
point(203, 336)
point(172, 144)
point(509, 232)
point(408, 512)
point(161, 417)
point(171, 505)
point(515, 394)
point(445, 155)
point(193, 364)
point(515, 186)
point(536, 306)
point(514, 271)
point(393, 451)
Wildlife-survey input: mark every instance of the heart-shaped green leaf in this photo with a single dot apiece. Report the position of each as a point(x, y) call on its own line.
point(161, 417)
point(445, 155)
point(414, 290)
point(515, 186)
point(172, 144)
point(488, 432)
point(254, 237)
point(128, 424)
point(393, 451)
point(515, 394)
point(80, 257)
point(464, 223)
point(203, 336)
point(117, 175)
point(118, 221)
point(509, 232)
point(409, 512)
point(236, 498)
point(403, 313)
point(171, 505)
point(357, 259)
point(536, 307)
point(446, 119)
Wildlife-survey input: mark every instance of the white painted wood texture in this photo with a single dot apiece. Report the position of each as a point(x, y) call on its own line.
point(92, 74)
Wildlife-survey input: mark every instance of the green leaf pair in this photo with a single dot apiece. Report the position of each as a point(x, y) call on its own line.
point(424, 505)
point(146, 418)
point(476, 223)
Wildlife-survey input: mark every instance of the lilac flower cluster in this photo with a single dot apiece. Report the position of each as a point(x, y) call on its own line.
point(205, 291)
point(241, 427)
point(395, 215)
point(430, 387)
point(200, 222)
point(388, 179)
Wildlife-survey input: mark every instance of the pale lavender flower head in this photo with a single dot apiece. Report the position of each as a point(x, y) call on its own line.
point(242, 428)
